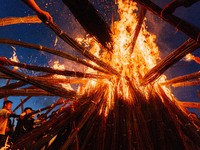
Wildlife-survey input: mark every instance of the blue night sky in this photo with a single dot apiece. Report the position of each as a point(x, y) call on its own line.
point(168, 39)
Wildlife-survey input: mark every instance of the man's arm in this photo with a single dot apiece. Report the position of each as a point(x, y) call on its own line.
point(172, 6)
point(43, 15)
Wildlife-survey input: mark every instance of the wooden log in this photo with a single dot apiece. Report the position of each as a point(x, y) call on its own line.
point(63, 81)
point(91, 20)
point(22, 103)
point(56, 71)
point(138, 27)
point(3, 76)
point(187, 47)
point(187, 83)
point(19, 20)
point(180, 24)
point(47, 87)
point(184, 78)
point(190, 104)
point(13, 85)
point(24, 92)
point(51, 51)
point(49, 107)
point(82, 50)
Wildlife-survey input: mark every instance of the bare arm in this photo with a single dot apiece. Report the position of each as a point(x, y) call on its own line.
point(43, 15)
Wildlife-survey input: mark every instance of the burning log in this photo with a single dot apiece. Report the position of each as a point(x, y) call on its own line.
point(182, 25)
point(179, 79)
point(51, 51)
point(21, 83)
point(24, 92)
point(55, 71)
point(187, 47)
point(49, 88)
point(192, 83)
point(138, 27)
point(115, 114)
point(53, 106)
point(91, 21)
point(19, 20)
point(153, 123)
point(50, 107)
point(78, 47)
point(190, 104)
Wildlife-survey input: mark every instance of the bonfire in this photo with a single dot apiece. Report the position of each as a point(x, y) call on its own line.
point(123, 100)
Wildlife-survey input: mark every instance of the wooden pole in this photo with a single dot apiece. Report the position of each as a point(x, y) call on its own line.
point(24, 92)
point(138, 27)
point(79, 48)
point(19, 20)
point(187, 47)
point(56, 71)
point(51, 51)
point(184, 78)
point(47, 87)
point(180, 24)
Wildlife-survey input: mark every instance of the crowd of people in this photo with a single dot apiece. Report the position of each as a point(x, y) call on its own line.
point(10, 133)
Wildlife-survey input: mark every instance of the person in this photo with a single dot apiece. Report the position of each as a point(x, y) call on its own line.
point(172, 6)
point(41, 119)
point(43, 15)
point(25, 123)
point(5, 113)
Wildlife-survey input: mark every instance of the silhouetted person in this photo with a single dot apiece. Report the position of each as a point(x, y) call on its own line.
point(5, 113)
point(24, 125)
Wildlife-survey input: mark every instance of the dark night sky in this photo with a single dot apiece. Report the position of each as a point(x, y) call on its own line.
point(168, 38)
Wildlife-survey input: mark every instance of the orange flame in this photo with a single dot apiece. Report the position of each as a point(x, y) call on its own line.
point(61, 67)
point(189, 57)
point(14, 57)
point(131, 64)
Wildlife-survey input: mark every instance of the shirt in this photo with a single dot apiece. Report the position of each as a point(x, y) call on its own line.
point(4, 114)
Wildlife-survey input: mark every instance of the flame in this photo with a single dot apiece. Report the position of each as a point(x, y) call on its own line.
point(190, 57)
point(14, 57)
point(56, 41)
point(132, 66)
point(58, 66)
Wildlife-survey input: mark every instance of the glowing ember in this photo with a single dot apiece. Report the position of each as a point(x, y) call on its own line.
point(14, 57)
point(190, 57)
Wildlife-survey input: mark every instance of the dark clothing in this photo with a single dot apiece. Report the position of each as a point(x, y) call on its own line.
point(23, 126)
point(2, 140)
point(172, 6)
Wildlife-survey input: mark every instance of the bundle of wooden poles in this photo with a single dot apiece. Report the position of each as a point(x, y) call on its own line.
point(153, 123)
point(156, 122)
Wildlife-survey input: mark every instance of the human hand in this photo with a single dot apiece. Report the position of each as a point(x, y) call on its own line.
point(45, 16)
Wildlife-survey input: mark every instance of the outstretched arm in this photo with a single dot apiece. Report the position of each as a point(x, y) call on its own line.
point(43, 15)
point(172, 6)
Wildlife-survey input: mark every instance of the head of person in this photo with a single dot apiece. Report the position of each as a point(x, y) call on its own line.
point(28, 110)
point(7, 104)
